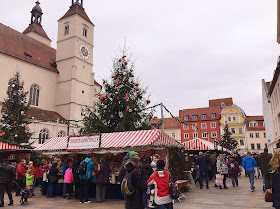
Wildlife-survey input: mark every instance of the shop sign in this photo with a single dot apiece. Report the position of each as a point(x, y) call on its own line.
point(83, 142)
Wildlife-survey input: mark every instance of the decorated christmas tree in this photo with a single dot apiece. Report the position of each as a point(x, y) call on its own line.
point(227, 141)
point(122, 105)
point(14, 119)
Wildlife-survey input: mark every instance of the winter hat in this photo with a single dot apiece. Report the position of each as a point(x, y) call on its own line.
point(132, 153)
point(160, 165)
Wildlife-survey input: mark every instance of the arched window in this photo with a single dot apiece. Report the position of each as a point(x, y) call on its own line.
point(61, 134)
point(85, 31)
point(34, 95)
point(43, 136)
point(66, 29)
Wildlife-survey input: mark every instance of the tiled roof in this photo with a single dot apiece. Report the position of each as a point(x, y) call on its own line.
point(255, 118)
point(168, 122)
point(76, 9)
point(40, 114)
point(201, 111)
point(217, 102)
point(36, 29)
point(25, 48)
point(259, 119)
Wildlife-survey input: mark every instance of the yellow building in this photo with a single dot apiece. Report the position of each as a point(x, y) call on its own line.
point(235, 118)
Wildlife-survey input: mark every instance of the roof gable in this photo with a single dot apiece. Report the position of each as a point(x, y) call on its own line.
point(36, 29)
point(25, 48)
point(76, 9)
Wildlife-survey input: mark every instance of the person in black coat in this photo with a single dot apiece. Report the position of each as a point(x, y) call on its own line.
point(76, 177)
point(102, 179)
point(146, 171)
point(272, 181)
point(203, 163)
point(52, 179)
point(7, 175)
point(135, 200)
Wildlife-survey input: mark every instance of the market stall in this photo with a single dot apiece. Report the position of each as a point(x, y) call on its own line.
point(13, 153)
point(113, 146)
point(201, 144)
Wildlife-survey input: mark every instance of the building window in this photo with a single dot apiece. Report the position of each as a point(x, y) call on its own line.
point(186, 117)
point(43, 136)
point(194, 117)
point(194, 126)
point(264, 135)
point(213, 125)
point(186, 127)
point(251, 124)
point(213, 115)
point(265, 145)
point(241, 142)
point(233, 118)
point(214, 134)
point(186, 136)
point(255, 124)
point(203, 116)
point(85, 31)
point(34, 95)
point(252, 146)
point(173, 135)
point(232, 130)
point(240, 130)
point(257, 135)
point(229, 118)
point(61, 134)
point(203, 125)
point(66, 31)
point(251, 135)
point(204, 135)
point(258, 146)
point(195, 135)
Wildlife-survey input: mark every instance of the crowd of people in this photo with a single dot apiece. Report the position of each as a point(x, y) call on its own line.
point(148, 177)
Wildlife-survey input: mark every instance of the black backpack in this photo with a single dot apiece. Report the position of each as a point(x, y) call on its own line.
point(82, 169)
point(126, 187)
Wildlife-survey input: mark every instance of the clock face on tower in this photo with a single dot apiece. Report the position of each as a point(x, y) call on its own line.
point(84, 51)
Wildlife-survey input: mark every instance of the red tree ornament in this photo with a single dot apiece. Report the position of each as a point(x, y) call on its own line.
point(137, 89)
point(120, 60)
point(113, 76)
point(136, 84)
point(126, 95)
point(117, 81)
point(125, 63)
point(132, 76)
point(148, 101)
point(126, 80)
point(118, 98)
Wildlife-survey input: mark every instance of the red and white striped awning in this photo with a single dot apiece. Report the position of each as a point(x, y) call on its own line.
point(120, 140)
point(133, 139)
point(54, 144)
point(200, 144)
point(6, 146)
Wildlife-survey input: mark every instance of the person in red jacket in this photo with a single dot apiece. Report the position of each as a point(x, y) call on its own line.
point(233, 170)
point(20, 175)
point(160, 178)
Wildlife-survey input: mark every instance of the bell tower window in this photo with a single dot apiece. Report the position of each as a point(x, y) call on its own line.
point(66, 32)
point(34, 95)
point(85, 30)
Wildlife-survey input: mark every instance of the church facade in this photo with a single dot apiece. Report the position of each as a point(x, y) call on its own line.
point(60, 81)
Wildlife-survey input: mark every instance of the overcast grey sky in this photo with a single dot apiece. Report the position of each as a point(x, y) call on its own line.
point(188, 51)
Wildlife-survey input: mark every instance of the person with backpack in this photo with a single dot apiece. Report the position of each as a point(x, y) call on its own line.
point(132, 185)
point(233, 170)
point(85, 172)
point(249, 164)
point(263, 163)
point(76, 177)
point(126, 159)
point(161, 179)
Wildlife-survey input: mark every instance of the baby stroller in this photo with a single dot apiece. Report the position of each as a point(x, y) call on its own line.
point(24, 195)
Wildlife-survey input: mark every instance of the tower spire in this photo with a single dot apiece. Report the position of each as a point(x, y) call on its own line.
point(36, 14)
point(77, 2)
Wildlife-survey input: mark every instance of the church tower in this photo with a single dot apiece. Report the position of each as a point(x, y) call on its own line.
point(74, 59)
point(35, 29)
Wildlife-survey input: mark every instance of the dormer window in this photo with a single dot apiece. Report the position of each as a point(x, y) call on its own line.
point(203, 116)
point(27, 55)
point(194, 117)
point(66, 31)
point(85, 30)
point(213, 115)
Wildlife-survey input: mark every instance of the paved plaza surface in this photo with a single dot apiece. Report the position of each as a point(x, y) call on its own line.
point(233, 198)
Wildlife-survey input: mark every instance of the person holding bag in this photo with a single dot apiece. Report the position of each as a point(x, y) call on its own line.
point(102, 179)
point(222, 169)
point(52, 180)
point(272, 181)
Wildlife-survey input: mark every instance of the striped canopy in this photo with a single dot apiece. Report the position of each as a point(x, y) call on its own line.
point(6, 146)
point(200, 144)
point(120, 140)
point(54, 144)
